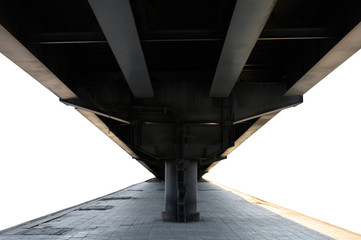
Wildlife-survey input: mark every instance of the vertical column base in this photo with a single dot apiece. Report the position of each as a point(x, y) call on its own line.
point(169, 216)
point(172, 217)
point(171, 193)
point(193, 217)
point(170, 190)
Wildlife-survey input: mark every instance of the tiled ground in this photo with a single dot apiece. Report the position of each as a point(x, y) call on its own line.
point(134, 213)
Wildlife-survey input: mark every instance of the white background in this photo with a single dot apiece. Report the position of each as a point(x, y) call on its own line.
point(306, 158)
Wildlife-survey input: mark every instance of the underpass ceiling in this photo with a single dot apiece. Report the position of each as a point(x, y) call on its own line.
point(181, 42)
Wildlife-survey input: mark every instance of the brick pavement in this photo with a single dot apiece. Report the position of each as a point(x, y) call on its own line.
point(134, 213)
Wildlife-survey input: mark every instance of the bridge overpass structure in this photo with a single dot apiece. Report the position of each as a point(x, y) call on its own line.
point(179, 84)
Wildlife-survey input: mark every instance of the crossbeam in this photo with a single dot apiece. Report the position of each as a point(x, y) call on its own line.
point(268, 108)
point(78, 106)
point(248, 20)
point(116, 20)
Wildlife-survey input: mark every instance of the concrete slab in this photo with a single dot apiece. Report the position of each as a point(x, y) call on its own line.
point(135, 213)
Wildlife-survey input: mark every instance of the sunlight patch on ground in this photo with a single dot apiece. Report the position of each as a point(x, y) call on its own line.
point(306, 221)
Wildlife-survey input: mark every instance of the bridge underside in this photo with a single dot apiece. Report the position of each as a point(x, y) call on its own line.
point(179, 84)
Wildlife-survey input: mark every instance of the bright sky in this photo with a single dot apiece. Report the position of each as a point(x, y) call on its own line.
point(51, 156)
point(306, 158)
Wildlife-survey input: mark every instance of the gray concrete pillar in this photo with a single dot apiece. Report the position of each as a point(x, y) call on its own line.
point(171, 191)
point(191, 180)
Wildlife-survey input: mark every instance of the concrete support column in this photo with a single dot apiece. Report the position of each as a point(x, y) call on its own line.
point(191, 180)
point(170, 190)
point(172, 203)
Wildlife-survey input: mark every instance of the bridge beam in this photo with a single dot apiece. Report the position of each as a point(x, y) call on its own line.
point(116, 20)
point(266, 107)
point(247, 23)
point(77, 105)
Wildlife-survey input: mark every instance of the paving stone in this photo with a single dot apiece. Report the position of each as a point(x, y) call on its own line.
point(135, 213)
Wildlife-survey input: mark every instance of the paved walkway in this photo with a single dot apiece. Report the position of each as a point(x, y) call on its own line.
point(134, 213)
